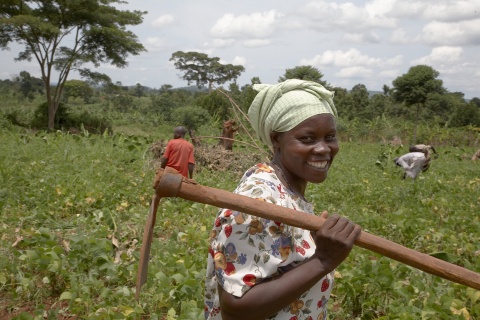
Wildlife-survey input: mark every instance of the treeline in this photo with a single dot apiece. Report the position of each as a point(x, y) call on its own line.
point(394, 112)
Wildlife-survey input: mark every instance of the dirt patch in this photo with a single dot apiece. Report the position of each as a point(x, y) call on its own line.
point(10, 309)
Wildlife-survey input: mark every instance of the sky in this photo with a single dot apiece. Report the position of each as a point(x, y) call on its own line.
point(349, 42)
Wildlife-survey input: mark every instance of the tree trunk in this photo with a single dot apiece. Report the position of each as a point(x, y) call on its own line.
point(51, 110)
point(417, 115)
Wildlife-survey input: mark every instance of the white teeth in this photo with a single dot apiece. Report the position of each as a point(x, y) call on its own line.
point(318, 165)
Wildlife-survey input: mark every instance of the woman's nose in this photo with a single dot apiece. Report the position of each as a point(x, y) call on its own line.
point(320, 147)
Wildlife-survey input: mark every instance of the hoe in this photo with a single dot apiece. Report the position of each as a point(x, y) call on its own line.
point(170, 183)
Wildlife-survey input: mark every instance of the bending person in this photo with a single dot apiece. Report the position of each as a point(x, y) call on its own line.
point(412, 163)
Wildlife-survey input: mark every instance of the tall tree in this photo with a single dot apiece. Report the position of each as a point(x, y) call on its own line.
point(307, 73)
point(414, 87)
point(64, 36)
point(204, 70)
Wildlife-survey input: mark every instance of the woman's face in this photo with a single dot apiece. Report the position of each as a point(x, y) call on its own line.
point(306, 152)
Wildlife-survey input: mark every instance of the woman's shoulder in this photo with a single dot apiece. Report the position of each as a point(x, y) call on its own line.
point(259, 181)
point(260, 169)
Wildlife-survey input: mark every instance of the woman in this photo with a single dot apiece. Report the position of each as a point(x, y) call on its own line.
point(261, 269)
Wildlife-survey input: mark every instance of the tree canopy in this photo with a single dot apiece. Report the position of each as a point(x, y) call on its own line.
point(204, 70)
point(414, 87)
point(307, 73)
point(63, 36)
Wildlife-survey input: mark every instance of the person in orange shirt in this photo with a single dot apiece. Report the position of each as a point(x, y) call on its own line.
point(179, 154)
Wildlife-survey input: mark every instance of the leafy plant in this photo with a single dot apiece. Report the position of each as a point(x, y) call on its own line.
point(73, 208)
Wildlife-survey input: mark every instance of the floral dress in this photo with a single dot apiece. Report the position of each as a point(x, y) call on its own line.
point(244, 249)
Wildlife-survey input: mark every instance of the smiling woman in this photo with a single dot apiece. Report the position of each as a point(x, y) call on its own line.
point(268, 269)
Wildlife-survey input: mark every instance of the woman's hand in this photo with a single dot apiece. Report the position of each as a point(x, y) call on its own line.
point(335, 240)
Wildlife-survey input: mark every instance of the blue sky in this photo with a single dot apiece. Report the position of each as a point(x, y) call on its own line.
point(351, 42)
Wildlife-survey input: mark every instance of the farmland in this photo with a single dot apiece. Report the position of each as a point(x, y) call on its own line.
point(73, 208)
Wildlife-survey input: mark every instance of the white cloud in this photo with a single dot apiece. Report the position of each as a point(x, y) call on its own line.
point(399, 36)
point(441, 55)
point(354, 72)
point(452, 11)
point(390, 74)
point(256, 25)
point(370, 37)
point(257, 42)
point(239, 61)
point(408, 9)
point(434, 10)
point(395, 61)
point(338, 58)
point(221, 43)
point(323, 15)
point(459, 33)
point(162, 21)
point(154, 43)
point(379, 7)
point(350, 41)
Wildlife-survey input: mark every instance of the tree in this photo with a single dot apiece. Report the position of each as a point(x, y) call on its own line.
point(466, 114)
point(192, 117)
point(360, 98)
point(77, 89)
point(248, 94)
point(204, 70)
point(386, 90)
point(414, 87)
point(440, 107)
point(28, 84)
point(307, 73)
point(63, 36)
point(139, 90)
point(165, 88)
point(216, 104)
point(476, 101)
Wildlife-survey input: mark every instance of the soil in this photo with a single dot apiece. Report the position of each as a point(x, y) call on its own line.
point(9, 309)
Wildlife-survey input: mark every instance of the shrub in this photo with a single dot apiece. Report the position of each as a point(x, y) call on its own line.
point(40, 117)
point(65, 120)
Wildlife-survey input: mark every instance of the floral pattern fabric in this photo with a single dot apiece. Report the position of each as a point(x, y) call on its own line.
point(245, 249)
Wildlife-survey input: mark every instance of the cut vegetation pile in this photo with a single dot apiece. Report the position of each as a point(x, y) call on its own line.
point(212, 158)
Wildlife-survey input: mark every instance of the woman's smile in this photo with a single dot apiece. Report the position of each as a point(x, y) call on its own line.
point(318, 164)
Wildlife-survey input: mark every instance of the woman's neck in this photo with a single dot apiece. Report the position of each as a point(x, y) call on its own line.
point(297, 189)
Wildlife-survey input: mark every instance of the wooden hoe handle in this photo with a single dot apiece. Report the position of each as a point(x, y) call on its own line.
point(166, 184)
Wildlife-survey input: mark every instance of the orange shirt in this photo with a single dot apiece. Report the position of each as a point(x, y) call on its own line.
point(179, 153)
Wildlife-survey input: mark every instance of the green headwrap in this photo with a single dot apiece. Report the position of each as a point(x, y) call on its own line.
point(281, 107)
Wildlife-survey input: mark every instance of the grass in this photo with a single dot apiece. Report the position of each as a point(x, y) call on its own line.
point(73, 208)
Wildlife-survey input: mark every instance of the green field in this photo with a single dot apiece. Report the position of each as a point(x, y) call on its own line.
point(73, 208)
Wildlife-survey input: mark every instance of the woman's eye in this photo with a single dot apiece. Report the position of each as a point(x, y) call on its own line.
point(331, 137)
point(307, 139)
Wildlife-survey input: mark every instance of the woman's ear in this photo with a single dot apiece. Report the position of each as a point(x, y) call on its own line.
point(275, 138)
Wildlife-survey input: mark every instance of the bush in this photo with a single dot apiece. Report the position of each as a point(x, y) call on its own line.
point(5, 123)
point(191, 117)
point(91, 123)
point(40, 117)
point(65, 120)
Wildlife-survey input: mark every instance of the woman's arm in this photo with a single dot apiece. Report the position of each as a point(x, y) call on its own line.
point(334, 242)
